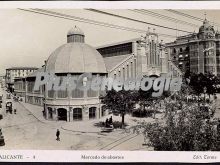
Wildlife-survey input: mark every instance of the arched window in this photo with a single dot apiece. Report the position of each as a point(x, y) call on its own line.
point(123, 73)
point(62, 114)
point(128, 71)
point(131, 69)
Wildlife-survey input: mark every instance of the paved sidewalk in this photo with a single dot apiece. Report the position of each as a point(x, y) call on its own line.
point(36, 111)
point(77, 126)
point(82, 126)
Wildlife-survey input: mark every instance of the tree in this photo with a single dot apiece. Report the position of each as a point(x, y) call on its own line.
point(119, 102)
point(187, 130)
point(144, 98)
point(199, 82)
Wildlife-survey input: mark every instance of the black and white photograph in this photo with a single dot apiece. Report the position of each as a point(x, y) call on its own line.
point(110, 79)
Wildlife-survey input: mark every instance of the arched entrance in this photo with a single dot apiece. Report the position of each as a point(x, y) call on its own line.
point(77, 114)
point(92, 112)
point(62, 114)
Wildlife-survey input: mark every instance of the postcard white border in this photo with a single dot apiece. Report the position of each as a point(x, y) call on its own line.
point(129, 156)
point(113, 4)
point(104, 156)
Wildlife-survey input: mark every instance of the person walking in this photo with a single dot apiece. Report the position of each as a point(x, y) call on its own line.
point(110, 120)
point(58, 135)
point(106, 123)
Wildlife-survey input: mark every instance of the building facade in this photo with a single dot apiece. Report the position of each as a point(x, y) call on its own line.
point(73, 59)
point(15, 73)
point(2, 81)
point(197, 52)
point(143, 56)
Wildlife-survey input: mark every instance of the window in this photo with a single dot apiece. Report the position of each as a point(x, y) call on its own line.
point(128, 71)
point(77, 93)
point(77, 114)
point(119, 73)
point(92, 112)
point(62, 93)
point(187, 49)
point(92, 93)
point(51, 93)
point(132, 70)
point(50, 112)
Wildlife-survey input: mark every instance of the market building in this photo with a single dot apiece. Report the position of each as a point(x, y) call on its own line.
point(143, 56)
point(197, 52)
point(73, 59)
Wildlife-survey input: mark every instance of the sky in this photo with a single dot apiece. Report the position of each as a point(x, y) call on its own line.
point(28, 39)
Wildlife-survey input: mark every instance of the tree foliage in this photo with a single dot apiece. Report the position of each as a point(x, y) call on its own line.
point(119, 102)
point(200, 81)
point(185, 131)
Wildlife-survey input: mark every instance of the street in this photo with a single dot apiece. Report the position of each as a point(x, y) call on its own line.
point(24, 131)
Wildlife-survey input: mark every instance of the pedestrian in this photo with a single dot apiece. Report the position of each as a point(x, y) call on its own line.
point(106, 123)
point(58, 135)
point(110, 120)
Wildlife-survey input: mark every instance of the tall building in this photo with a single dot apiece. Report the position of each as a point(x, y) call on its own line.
point(16, 72)
point(197, 52)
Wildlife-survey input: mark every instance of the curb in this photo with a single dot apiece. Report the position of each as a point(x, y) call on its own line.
point(79, 131)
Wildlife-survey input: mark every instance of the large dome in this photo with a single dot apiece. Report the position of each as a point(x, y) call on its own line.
point(75, 57)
